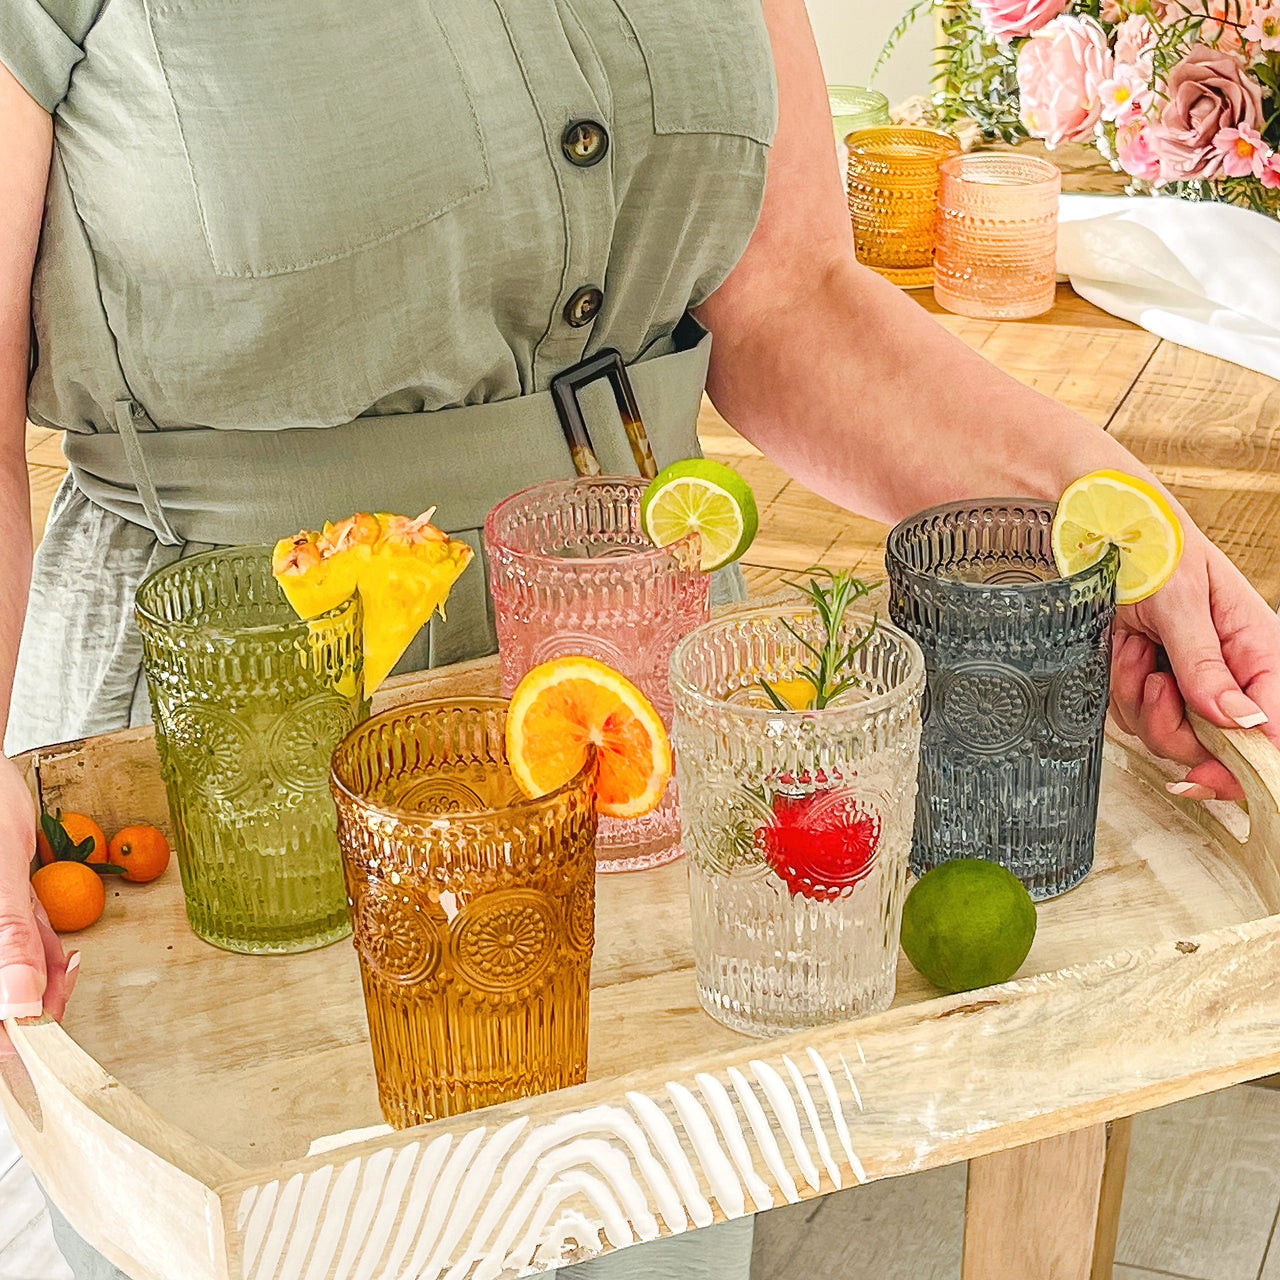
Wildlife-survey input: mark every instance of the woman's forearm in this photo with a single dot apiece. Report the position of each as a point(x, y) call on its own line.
point(26, 140)
point(888, 421)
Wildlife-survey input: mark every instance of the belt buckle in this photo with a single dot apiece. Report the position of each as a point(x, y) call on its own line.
point(564, 394)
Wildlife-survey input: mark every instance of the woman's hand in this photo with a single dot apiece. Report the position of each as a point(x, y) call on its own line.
point(1223, 660)
point(35, 975)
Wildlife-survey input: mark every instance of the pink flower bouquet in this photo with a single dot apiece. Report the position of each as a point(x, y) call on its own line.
point(1181, 95)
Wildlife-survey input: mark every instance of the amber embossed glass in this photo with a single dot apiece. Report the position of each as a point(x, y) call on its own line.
point(1019, 663)
point(473, 907)
point(572, 571)
point(893, 191)
point(249, 702)
point(796, 824)
point(997, 235)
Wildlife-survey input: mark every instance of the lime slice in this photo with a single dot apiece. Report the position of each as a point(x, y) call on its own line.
point(697, 494)
point(1111, 507)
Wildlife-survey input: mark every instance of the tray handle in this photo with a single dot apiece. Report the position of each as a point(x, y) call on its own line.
point(1255, 761)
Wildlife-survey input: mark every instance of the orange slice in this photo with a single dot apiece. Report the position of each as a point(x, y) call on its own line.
point(568, 704)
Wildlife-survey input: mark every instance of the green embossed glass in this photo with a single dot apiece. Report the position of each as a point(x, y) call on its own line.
point(474, 910)
point(855, 107)
point(249, 702)
point(1019, 662)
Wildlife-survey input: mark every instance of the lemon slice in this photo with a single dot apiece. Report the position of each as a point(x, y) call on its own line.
point(566, 705)
point(697, 494)
point(1111, 507)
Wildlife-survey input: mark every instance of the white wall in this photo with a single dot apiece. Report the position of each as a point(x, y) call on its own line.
point(850, 34)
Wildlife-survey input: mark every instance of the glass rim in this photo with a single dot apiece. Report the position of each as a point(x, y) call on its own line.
point(1051, 176)
point(213, 630)
point(897, 565)
point(530, 805)
point(647, 554)
point(845, 98)
point(933, 142)
point(860, 710)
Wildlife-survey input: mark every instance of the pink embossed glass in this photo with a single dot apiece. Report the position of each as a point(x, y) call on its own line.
point(997, 235)
point(572, 572)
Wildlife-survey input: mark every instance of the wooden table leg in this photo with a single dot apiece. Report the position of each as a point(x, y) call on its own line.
point(1032, 1212)
point(1116, 1161)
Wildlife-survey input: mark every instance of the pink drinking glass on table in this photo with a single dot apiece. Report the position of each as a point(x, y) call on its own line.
point(573, 572)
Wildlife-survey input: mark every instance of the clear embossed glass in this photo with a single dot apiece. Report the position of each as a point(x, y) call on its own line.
point(474, 910)
point(997, 235)
point(855, 107)
point(1019, 664)
point(249, 703)
point(893, 190)
point(796, 824)
point(572, 571)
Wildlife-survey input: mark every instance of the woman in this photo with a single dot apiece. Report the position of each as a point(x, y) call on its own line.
point(276, 238)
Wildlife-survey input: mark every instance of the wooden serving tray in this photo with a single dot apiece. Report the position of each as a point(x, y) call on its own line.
point(198, 1080)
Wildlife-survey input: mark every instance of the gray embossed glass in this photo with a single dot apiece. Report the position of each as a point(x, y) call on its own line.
point(573, 572)
point(1019, 662)
point(249, 702)
point(796, 824)
point(474, 910)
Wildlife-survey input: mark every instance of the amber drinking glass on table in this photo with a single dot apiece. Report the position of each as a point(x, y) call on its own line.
point(249, 702)
point(1019, 663)
point(997, 235)
point(573, 572)
point(796, 824)
point(893, 190)
point(473, 909)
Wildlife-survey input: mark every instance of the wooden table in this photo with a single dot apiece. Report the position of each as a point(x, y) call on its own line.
point(1157, 979)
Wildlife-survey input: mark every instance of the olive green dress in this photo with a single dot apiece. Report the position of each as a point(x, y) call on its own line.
point(304, 258)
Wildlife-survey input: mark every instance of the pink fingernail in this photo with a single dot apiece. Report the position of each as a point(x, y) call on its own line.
point(21, 992)
point(1251, 722)
point(73, 963)
point(1242, 709)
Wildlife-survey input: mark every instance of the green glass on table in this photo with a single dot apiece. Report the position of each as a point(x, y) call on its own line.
point(854, 107)
point(249, 702)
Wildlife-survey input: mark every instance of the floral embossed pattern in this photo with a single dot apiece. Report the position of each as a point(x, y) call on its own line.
point(395, 934)
point(506, 942)
point(985, 706)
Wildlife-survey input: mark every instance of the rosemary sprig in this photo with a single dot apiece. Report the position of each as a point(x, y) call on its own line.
point(832, 670)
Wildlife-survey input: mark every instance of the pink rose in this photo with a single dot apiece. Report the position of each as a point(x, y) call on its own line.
point(1006, 19)
point(1242, 150)
point(1060, 71)
point(1135, 45)
point(1134, 151)
point(1208, 91)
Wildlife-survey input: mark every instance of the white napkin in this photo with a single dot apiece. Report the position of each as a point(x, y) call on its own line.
point(1204, 275)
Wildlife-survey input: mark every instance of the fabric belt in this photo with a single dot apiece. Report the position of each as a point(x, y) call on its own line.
point(230, 487)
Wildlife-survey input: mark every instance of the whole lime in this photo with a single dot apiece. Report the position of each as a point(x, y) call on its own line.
point(968, 923)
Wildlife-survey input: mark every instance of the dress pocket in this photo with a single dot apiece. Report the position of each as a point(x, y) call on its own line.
point(311, 135)
point(710, 65)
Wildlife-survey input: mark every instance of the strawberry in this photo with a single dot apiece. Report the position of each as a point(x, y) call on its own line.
point(821, 842)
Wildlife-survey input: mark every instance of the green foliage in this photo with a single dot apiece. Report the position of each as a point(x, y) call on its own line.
point(831, 670)
point(976, 76)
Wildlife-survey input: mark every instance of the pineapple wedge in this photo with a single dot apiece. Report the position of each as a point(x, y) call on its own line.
point(403, 568)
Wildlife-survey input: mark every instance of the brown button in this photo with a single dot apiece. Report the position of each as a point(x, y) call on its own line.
point(582, 307)
point(584, 143)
